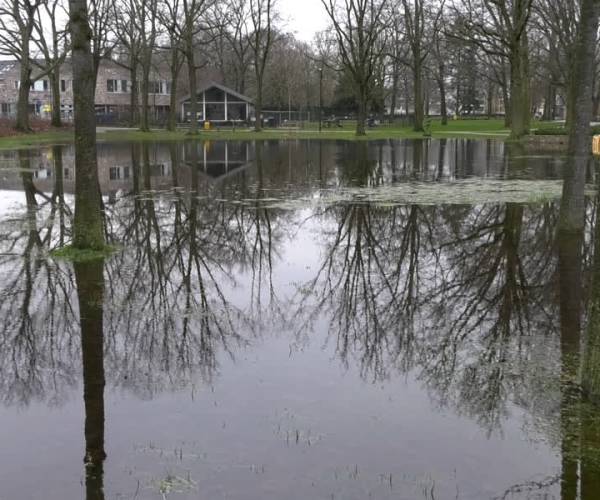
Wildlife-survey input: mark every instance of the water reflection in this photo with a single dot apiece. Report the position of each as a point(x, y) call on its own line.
point(89, 278)
point(491, 308)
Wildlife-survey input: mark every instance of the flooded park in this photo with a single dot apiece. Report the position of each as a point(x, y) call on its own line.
point(395, 319)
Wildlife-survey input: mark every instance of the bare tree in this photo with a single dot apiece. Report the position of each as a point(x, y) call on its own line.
point(557, 22)
point(145, 14)
point(102, 22)
point(55, 52)
point(128, 27)
point(357, 25)
point(500, 29)
point(189, 29)
point(169, 14)
point(17, 21)
point(417, 14)
point(261, 41)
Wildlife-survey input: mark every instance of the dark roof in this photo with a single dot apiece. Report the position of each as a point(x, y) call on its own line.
point(210, 85)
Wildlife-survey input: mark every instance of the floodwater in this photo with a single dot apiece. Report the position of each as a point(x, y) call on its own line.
point(299, 320)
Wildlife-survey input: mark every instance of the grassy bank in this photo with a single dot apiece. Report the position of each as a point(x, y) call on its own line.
point(485, 129)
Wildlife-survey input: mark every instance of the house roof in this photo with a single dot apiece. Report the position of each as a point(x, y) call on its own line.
point(210, 85)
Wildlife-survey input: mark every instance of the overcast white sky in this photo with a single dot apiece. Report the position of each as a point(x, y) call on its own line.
point(304, 17)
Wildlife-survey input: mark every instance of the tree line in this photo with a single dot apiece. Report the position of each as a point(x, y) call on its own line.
point(243, 43)
point(378, 57)
point(466, 56)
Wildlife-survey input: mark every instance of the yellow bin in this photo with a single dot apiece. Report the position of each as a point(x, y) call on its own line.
point(207, 125)
point(596, 144)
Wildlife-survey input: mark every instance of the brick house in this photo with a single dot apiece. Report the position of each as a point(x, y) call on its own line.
point(113, 92)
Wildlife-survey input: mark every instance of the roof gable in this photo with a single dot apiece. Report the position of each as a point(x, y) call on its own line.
point(225, 89)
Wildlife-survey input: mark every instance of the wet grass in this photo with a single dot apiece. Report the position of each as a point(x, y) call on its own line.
point(482, 129)
point(72, 254)
point(460, 128)
point(26, 141)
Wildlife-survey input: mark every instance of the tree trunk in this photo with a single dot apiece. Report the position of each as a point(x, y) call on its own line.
point(549, 103)
point(145, 119)
point(519, 89)
point(572, 216)
point(442, 87)
point(54, 78)
point(394, 102)
point(572, 210)
point(361, 118)
point(23, 100)
point(173, 107)
point(133, 97)
point(88, 230)
point(193, 130)
point(506, 102)
point(570, 103)
point(419, 100)
point(490, 99)
point(258, 105)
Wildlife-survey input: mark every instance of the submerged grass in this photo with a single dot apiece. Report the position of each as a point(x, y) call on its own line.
point(72, 254)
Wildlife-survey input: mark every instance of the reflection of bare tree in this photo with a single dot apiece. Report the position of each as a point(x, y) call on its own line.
point(369, 283)
point(183, 253)
point(89, 277)
point(169, 309)
point(34, 299)
point(496, 288)
point(451, 291)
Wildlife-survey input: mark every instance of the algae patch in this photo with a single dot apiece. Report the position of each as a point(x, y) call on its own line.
point(467, 192)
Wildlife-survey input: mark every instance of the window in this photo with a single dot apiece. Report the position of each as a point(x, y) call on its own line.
point(160, 170)
point(214, 94)
point(236, 111)
point(159, 87)
point(118, 173)
point(124, 85)
point(6, 108)
point(65, 85)
point(17, 84)
point(40, 86)
point(112, 86)
point(215, 112)
point(44, 173)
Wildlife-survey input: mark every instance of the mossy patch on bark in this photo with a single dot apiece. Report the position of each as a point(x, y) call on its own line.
point(73, 254)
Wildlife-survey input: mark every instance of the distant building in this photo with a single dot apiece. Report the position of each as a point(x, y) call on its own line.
point(113, 91)
point(219, 104)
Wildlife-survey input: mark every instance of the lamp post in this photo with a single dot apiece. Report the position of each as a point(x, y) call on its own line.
point(320, 98)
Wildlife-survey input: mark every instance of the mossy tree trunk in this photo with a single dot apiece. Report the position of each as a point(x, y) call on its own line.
point(88, 232)
point(573, 202)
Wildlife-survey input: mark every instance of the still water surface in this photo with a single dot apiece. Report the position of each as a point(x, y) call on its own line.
point(297, 320)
